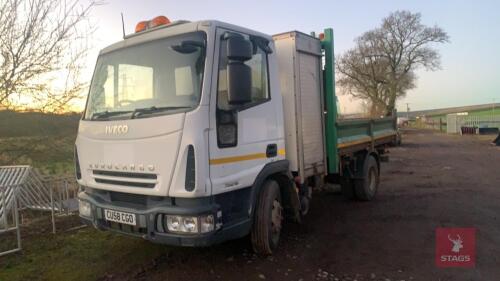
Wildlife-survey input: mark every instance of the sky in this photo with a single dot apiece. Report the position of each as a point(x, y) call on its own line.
point(470, 62)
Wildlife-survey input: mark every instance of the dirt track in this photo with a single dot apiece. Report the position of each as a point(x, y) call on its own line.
point(432, 180)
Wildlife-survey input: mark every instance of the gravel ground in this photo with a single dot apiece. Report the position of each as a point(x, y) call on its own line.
point(432, 180)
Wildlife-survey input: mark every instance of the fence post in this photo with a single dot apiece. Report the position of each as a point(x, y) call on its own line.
point(67, 195)
point(16, 219)
point(4, 209)
point(52, 210)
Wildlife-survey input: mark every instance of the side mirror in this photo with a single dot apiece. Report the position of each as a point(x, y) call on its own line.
point(239, 75)
point(239, 48)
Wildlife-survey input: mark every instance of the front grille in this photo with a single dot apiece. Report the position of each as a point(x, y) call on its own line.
point(125, 174)
point(128, 198)
point(125, 183)
point(129, 179)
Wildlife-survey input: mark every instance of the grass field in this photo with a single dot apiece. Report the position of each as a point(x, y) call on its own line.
point(44, 141)
point(49, 154)
point(84, 254)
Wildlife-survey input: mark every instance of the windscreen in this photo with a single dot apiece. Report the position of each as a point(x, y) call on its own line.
point(159, 77)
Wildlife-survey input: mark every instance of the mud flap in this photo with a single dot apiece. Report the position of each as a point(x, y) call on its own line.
point(292, 202)
point(497, 140)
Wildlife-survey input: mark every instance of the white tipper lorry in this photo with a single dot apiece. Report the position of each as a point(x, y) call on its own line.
point(199, 132)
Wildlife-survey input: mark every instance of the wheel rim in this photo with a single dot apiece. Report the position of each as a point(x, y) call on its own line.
point(276, 219)
point(372, 180)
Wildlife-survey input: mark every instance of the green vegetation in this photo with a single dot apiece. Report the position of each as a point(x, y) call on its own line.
point(30, 124)
point(44, 141)
point(85, 254)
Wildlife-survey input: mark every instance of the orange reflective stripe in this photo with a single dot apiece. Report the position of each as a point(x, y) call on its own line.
point(247, 157)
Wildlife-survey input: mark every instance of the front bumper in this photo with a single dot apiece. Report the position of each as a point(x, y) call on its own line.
point(147, 219)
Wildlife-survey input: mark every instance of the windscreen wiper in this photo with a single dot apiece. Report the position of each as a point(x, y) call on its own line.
point(106, 114)
point(153, 109)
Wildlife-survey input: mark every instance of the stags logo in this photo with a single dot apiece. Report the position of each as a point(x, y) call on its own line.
point(455, 247)
point(457, 244)
point(116, 129)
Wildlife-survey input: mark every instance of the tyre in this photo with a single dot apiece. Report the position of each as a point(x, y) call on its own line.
point(268, 219)
point(366, 187)
point(347, 187)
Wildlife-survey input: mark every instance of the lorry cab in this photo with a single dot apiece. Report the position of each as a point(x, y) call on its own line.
point(180, 121)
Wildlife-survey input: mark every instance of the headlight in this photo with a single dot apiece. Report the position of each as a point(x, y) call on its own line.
point(173, 223)
point(190, 224)
point(84, 208)
point(183, 224)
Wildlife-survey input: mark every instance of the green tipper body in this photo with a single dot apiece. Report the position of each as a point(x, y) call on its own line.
point(330, 102)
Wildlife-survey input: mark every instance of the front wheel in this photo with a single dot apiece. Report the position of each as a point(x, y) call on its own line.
point(268, 219)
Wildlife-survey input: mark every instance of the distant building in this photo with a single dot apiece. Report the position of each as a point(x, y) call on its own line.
point(475, 110)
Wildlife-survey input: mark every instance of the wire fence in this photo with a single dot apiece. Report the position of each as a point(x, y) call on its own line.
point(456, 124)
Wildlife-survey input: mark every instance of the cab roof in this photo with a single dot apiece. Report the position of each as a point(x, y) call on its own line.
point(178, 28)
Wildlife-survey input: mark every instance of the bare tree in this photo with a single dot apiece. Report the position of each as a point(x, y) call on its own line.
point(381, 67)
point(43, 45)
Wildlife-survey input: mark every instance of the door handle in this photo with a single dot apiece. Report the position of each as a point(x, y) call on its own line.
point(271, 150)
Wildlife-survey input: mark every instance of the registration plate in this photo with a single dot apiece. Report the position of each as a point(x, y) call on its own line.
point(121, 217)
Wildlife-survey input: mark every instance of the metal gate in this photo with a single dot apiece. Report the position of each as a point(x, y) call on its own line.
point(10, 180)
point(21, 187)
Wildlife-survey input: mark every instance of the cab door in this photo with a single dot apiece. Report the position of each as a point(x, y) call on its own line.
point(245, 138)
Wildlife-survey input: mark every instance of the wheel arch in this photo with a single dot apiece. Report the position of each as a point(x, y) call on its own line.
point(279, 172)
point(361, 157)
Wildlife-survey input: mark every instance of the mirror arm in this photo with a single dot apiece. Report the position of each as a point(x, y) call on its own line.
point(262, 42)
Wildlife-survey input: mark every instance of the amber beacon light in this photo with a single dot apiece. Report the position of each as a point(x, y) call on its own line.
point(158, 21)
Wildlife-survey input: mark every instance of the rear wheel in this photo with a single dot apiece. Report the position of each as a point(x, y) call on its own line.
point(366, 187)
point(268, 219)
